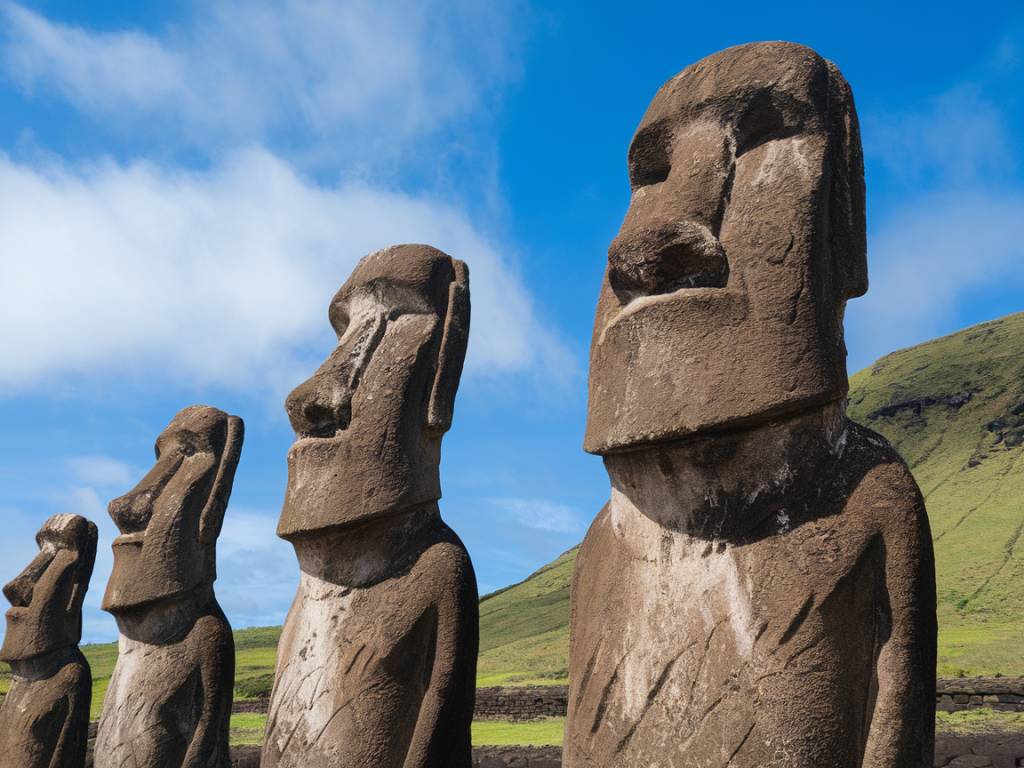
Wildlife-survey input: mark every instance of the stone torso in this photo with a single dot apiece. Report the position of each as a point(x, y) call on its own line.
point(747, 654)
point(368, 677)
point(44, 722)
point(159, 710)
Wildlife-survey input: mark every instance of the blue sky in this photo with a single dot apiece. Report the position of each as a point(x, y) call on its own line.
point(184, 186)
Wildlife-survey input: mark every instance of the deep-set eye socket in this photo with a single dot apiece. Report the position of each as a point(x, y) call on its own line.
point(650, 159)
point(339, 317)
point(761, 122)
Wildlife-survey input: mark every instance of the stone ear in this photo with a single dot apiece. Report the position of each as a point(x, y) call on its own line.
point(452, 353)
point(83, 569)
point(213, 513)
point(848, 228)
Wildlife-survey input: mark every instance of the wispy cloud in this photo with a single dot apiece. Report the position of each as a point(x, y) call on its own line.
point(539, 514)
point(257, 71)
point(932, 254)
point(257, 571)
point(219, 276)
point(956, 138)
point(954, 233)
point(102, 471)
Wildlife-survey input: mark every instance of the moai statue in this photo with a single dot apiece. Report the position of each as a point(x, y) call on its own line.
point(169, 700)
point(759, 590)
point(44, 719)
point(376, 665)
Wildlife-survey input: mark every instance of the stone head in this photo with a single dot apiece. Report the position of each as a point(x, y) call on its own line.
point(722, 304)
point(369, 422)
point(170, 521)
point(46, 598)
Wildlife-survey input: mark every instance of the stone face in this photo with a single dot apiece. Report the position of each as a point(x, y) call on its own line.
point(169, 700)
point(376, 665)
point(44, 719)
point(723, 299)
point(759, 590)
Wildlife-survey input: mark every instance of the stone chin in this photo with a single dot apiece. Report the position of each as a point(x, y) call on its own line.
point(652, 382)
point(134, 585)
point(19, 637)
point(341, 481)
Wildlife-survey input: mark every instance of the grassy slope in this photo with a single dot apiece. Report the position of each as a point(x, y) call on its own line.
point(527, 623)
point(968, 459)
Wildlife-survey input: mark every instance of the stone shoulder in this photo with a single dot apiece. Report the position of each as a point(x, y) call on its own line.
point(75, 672)
point(213, 629)
point(444, 569)
point(881, 484)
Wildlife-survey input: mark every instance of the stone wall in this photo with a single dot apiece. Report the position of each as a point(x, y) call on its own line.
point(1002, 693)
point(521, 703)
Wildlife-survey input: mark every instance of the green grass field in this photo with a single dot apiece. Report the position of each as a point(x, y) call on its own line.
point(247, 729)
point(527, 622)
point(954, 407)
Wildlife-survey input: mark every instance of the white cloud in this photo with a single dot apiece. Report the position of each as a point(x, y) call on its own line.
point(954, 139)
point(249, 70)
point(257, 572)
point(102, 471)
point(539, 514)
point(930, 255)
point(220, 276)
point(955, 231)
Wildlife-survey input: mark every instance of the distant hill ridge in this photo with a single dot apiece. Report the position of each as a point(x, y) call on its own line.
point(953, 407)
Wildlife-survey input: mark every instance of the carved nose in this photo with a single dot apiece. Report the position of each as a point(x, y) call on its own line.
point(19, 590)
point(131, 512)
point(319, 407)
point(667, 257)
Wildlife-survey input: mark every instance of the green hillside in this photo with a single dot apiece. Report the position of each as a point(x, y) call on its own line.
point(954, 407)
point(527, 621)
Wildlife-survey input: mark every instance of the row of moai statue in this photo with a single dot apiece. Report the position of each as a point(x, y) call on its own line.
point(758, 591)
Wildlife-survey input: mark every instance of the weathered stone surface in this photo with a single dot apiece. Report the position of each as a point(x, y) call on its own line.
point(44, 719)
point(169, 700)
point(759, 591)
point(377, 660)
